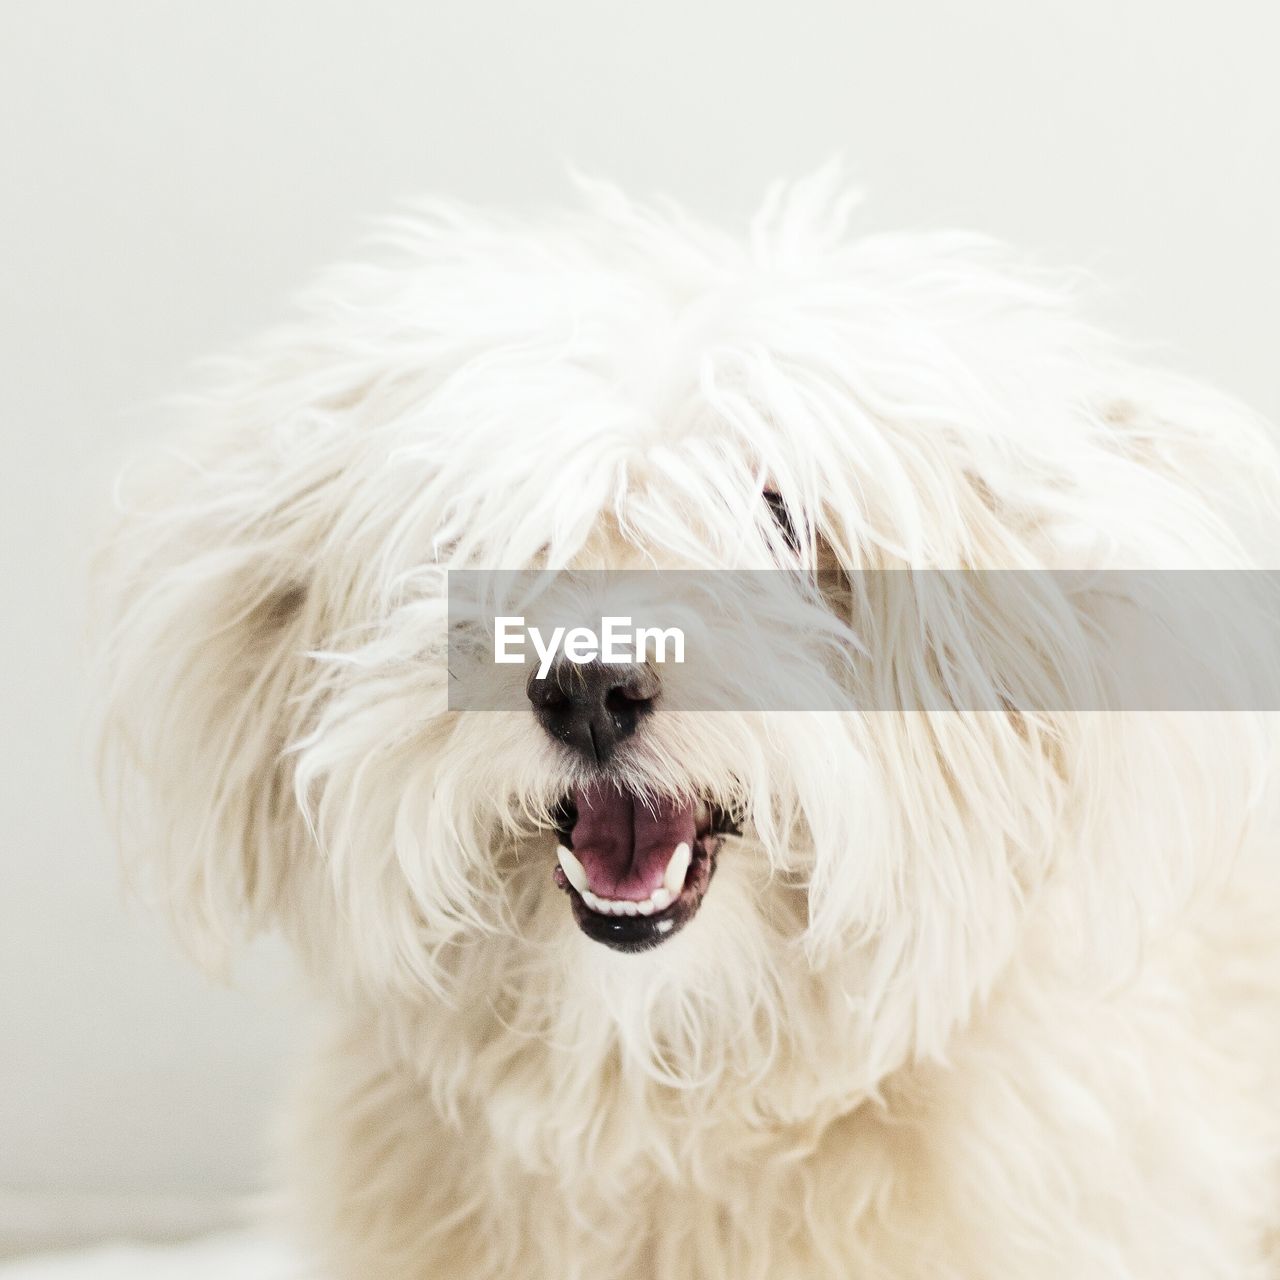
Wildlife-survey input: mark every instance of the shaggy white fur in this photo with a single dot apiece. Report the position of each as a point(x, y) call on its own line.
point(973, 994)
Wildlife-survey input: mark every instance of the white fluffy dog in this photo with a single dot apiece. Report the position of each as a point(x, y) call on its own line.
point(991, 994)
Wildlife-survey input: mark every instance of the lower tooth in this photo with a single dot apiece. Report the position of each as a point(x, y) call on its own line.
point(677, 869)
point(574, 871)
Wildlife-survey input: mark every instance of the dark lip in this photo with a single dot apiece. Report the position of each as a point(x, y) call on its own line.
point(643, 933)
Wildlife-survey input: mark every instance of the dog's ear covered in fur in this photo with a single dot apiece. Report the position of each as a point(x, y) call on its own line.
point(207, 613)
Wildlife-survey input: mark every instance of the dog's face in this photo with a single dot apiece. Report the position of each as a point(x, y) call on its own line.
point(625, 391)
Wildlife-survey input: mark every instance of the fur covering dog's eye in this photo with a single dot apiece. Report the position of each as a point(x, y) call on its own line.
point(782, 518)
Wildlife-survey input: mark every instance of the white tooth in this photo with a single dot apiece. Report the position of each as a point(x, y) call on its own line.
point(591, 900)
point(629, 908)
point(574, 871)
point(661, 899)
point(647, 907)
point(677, 868)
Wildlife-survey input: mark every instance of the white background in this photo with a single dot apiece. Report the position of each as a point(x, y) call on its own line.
point(172, 171)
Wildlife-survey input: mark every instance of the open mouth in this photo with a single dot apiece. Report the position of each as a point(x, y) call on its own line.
point(635, 867)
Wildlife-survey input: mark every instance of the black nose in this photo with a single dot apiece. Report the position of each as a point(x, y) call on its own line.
point(590, 706)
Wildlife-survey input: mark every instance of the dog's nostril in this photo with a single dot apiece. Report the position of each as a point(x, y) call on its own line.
point(624, 697)
point(591, 707)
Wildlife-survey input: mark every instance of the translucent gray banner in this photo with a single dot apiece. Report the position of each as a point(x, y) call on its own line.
point(928, 640)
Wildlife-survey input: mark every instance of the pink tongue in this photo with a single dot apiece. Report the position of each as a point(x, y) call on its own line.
point(625, 843)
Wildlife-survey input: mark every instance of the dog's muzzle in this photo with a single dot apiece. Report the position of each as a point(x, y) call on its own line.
point(635, 866)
